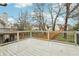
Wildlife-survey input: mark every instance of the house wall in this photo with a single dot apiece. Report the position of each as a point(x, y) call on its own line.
point(1, 26)
point(57, 27)
point(4, 18)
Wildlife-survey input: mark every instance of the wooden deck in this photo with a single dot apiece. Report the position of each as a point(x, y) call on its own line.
point(34, 47)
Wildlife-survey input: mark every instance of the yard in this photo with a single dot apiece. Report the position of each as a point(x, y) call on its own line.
point(70, 37)
point(44, 35)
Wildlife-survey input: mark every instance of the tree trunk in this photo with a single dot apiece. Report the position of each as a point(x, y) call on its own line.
point(65, 29)
point(66, 19)
point(56, 19)
point(54, 25)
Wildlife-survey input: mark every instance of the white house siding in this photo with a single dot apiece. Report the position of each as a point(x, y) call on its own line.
point(57, 27)
point(4, 18)
point(1, 26)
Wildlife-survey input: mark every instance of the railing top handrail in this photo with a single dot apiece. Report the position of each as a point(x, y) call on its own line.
point(38, 31)
point(45, 31)
point(77, 31)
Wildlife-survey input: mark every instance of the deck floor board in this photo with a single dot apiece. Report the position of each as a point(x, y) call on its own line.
point(35, 47)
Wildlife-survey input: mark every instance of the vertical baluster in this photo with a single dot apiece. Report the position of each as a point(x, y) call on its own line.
point(30, 34)
point(75, 38)
point(48, 35)
point(17, 36)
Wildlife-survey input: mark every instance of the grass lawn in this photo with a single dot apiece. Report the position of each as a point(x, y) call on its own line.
point(70, 37)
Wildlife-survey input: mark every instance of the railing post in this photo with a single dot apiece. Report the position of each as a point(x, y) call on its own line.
point(30, 34)
point(48, 34)
point(75, 38)
point(17, 36)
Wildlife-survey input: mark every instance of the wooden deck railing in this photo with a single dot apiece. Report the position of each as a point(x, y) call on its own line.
point(45, 35)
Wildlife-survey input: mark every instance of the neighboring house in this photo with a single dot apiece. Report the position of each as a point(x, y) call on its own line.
point(5, 26)
point(4, 23)
point(58, 26)
point(35, 27)
point(3, 20)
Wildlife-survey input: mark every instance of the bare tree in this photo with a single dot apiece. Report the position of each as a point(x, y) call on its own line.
point(53, 10)
point(66, 18)
point(22, 21)
point(69, 12)
point(57, 15)
point(50, 9)
point(39, 15)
